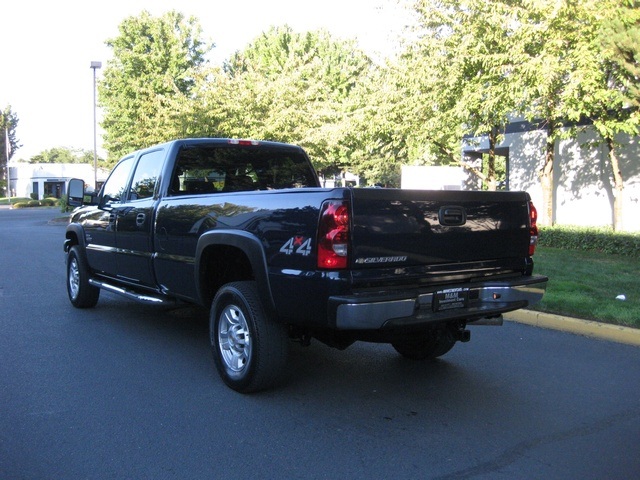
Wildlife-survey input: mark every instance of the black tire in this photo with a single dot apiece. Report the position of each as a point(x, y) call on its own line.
point(249, 348)
point(81, 293)
point(425, 346)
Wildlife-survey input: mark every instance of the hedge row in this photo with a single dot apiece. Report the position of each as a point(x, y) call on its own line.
point(603, 240)
point(45, 202)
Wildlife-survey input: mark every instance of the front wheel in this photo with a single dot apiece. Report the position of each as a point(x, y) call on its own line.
point(81, 293)
point(249, 348)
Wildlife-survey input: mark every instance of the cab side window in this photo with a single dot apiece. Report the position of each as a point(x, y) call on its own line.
point(114, 188)
point(146, 175)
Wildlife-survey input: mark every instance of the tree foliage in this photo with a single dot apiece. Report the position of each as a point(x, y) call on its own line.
point(8, 125)
point(460, 77)
point(470, 68)
point(620, 37)
point(600, 86)
point(284, 86)
point(64, 155)
point(549, 38)
point(154, 58)
point(476, 64)
point(294, 88)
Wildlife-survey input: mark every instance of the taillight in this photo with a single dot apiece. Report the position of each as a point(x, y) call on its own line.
point(533, 228)
point(333, 235)
point(239, 141)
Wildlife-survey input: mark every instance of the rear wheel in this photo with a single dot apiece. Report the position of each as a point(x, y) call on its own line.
point(81, 293)
point(424, 346)
point(249, 348)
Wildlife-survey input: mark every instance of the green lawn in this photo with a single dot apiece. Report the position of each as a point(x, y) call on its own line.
point(586, 284)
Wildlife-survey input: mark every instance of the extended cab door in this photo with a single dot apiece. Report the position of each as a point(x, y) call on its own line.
point(135, 221)
point(100, 225)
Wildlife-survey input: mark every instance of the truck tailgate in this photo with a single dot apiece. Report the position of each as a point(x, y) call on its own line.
point(461, 233)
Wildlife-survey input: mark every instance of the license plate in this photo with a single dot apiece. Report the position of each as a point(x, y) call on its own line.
point(450, 299)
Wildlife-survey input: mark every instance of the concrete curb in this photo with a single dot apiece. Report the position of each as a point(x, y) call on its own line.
point(604, 331)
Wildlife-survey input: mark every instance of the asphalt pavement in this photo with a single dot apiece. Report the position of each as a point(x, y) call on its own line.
point(130, 391)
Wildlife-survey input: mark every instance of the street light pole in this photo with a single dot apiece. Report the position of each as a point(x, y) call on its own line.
point(94, 67)
point(7, 149)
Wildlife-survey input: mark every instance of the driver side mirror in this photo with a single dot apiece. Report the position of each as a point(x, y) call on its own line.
point(76, 192)
point(77, 195)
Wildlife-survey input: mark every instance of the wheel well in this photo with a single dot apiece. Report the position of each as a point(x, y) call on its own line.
point(221, 264)
point(71, 240)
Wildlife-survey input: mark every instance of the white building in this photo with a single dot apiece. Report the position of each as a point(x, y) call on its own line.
point(49, 179)
point(583, 184)
point(415, 177)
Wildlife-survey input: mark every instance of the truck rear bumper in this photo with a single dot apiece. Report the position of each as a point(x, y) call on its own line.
point(469, 302)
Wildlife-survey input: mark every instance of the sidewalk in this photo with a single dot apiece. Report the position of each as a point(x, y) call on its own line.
point(588, 328)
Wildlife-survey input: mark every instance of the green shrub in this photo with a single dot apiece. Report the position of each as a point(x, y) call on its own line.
point(593, 239)
point(63, 204)
point(34, 196)
point(14, 200)
point(21, 205)
point(49, 202)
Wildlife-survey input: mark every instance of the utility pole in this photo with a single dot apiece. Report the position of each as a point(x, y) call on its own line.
point(94, 67)
point(7, 149)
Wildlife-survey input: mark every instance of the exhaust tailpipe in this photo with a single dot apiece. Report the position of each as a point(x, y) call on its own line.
point(463, 336)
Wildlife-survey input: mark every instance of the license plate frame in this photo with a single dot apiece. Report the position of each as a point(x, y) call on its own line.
point(450, 299)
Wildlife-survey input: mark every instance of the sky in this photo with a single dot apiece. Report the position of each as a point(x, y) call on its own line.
point(48, 47)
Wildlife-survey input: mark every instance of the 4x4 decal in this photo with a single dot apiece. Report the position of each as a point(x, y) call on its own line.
point(297, 245)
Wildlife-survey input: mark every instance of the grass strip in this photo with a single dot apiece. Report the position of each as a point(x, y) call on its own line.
point(585, 285)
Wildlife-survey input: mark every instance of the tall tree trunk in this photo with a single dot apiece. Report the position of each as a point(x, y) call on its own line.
point(618, 187)
point(491, 166)
point(546, 179)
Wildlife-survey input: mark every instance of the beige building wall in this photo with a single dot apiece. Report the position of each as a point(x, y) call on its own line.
point(583, 193)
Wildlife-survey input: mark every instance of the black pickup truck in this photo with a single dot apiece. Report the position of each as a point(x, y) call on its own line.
point(244, 228)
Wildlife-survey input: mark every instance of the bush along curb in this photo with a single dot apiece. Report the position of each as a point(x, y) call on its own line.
point(603, 240)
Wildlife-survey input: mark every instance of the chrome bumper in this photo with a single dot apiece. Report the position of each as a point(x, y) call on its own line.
point(487, 299)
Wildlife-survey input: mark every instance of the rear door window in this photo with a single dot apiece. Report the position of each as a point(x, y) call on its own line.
point(222, 168)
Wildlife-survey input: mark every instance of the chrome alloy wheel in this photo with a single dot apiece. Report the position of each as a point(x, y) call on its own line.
point(234, 339)
point(74, 278)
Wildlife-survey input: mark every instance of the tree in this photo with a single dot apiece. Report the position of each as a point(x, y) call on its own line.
point(8, 125)
point(64, 155)
point(549, 35)
point(475, 64)
point(620, 37)
point(460, 76)
point(378, 132)
point(599, 90)
point(153, 60)
point(285, 86)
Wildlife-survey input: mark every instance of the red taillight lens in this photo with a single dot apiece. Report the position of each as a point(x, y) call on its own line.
point(333, 235)
point(239, 141)
point(533, 228)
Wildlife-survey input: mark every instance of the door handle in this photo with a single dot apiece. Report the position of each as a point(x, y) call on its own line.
point(452, 216)
point(140, 219)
